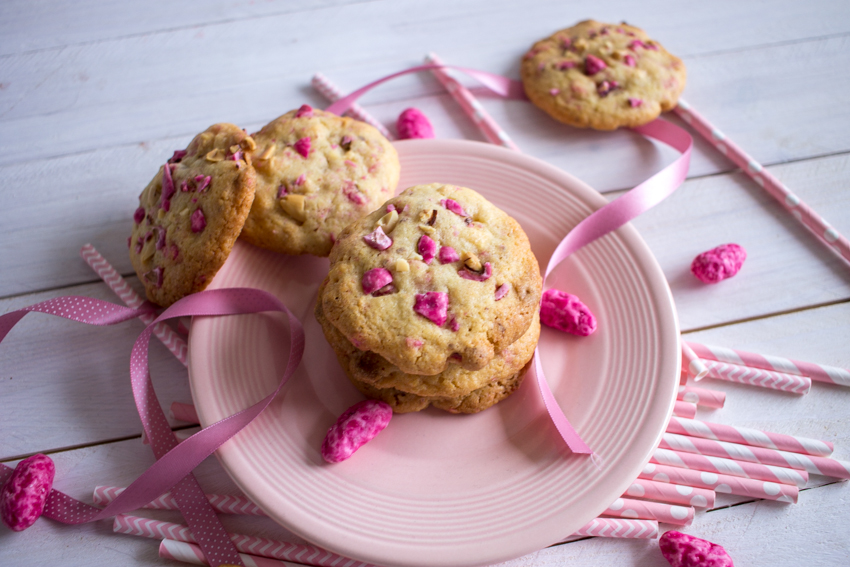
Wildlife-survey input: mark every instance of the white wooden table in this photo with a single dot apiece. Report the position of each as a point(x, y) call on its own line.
point(95, 95)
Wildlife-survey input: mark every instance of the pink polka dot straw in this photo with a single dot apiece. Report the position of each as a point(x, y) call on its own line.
point(826, 234)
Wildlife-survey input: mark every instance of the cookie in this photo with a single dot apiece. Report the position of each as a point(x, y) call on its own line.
point(438, 275)
point(316, 174)
point(191, 213)
point(602, 76)
point(474, 402)
point(372, 369)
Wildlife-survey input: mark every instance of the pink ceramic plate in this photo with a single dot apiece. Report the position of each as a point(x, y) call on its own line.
point(433, 488)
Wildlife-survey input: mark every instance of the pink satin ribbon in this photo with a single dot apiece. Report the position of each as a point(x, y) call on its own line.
point(174, 465)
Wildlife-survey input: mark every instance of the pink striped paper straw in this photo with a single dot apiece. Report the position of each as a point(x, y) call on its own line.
point(471, 107)
point(721, 483)
point(811, 464)
point(757, 377)
point(331, 92)
point(664, 456)
point(670, 493)
point(256, 546)
point(192, 554)
point(184, 412)
point(645, 510)
point(695, 366)
point(684, 409)
point(619, 528)
point(702, 397)
point(819, 372)
point(237, 505)
point(747, 436)
point(122, 289)
point(825, 233)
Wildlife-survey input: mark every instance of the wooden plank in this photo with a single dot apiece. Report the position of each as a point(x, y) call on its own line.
point(129, 90)
point(66, 384)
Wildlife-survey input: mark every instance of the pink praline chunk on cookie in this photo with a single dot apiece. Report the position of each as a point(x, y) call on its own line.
point(375, 279)
point(302, 146)
point(427, 248)
point(433, 305)
point(378, 240)
point(305, 111)
point(566, 312)
point(468, 274)
point(719, 263)
point(447, 255)
point(358, 425)
point(682, 550)
point(25, 492)
point(454, 207)
point(593, 64)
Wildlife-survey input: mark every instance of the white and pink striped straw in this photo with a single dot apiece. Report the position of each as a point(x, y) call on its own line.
point(684, 409)
point(748, 436)
point(331, 92)
point(691, 361)
point(825, 233)
point(619, 528)
point(702, 397)
point(192, 554)
point(670, 493)
point(645, 510)
point(809, 463)
point(256, 546)
point(122, 289)
point(721, 483)
point(768, 379)
point(221, 503)
point(706, 463)
point(471, 107)
point(819, 372)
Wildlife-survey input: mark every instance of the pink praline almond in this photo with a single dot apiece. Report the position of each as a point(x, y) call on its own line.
point(433, 305)
point(198, 220)
point(139, 215)
point(412, 124)
point(566, 312)
point(593, 64)
point(358, 425)
point(305, 111)
point(454, 207)
point(502, 291)
point(25, 492)
point(719, 263)
point(375, 279)
point(447, 255)
point(683, 550)
point(468, 274)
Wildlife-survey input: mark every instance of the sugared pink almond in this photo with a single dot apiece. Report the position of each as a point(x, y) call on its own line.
point(502, 291)
point(719, 263)
point(629, 60)
point(635, 102)
point(168, 189)
point(198, 220)
point(682, 550)
point(448, 255)
point(375, 279)
point(139, 215)
point(454, 207)
point(433, 305)
point(302, 146)
point(593, 64)
point(177, 156)
point(412, 124)
point(353, 193)
point(427, 248)
point(305, 111)
point(468, 274)
point(567, 313)
point(23, 496)
point(378, 240)
point(358, 425)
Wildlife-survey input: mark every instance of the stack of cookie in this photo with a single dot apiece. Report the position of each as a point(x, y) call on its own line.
point(433, 300)
point(291, 187)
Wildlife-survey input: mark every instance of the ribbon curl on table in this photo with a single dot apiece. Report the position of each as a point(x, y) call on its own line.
point(174, 465)
point(602, 221)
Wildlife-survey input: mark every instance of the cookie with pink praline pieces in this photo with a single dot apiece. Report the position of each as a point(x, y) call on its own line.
point(457, 284)
point(602, 76)
point(191, 213)
point(316, 174)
